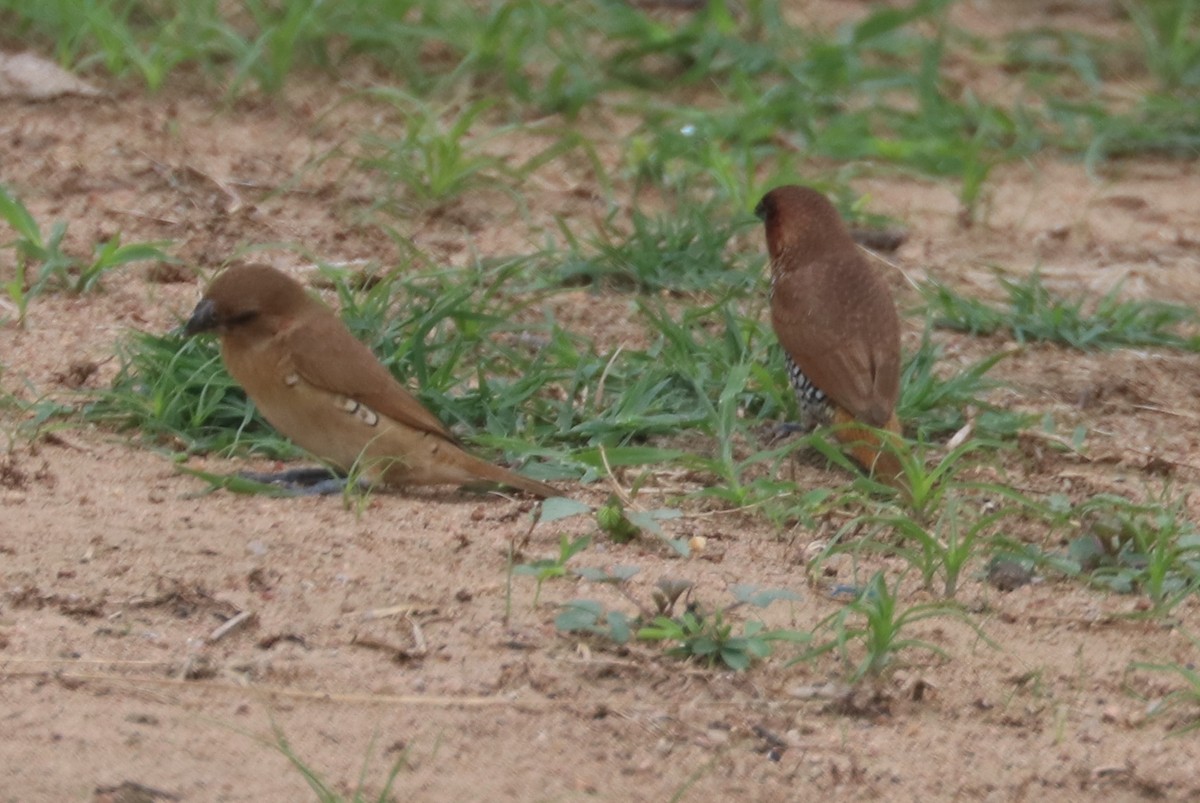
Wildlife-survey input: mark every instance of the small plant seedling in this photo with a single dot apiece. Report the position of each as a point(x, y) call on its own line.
point(944, 548)
point(685, 251)
point(611, 519)
point(1169, 40)
point(322, 789)
point(873, 625)
point(1188, 696)
point(623, 525)
point(589, 616)
point(1035, 314)
point(561, 507)
point(55, 269)
point(934, 406)
point(709, 638)
point(1152, 549)
point(927, 487)
point(431, 161)
point(358, 484)
point(547, 568)
point(109, 255)
point(436, 160)
point(31, 248)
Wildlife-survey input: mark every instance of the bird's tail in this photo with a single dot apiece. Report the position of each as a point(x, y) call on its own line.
point(492, 473)
point(444, 462)
point(876, 450)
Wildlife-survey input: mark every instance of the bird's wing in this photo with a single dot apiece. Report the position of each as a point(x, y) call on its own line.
point(828, 335)
point(327, 356)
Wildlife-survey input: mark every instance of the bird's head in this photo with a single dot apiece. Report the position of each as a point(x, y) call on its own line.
point(247, 296)
point(800, 220)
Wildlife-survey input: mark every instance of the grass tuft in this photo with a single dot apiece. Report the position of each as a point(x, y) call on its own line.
point(1036, 314)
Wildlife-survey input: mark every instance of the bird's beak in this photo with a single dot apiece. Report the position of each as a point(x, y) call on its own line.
point(204, 318)
point(760, 211)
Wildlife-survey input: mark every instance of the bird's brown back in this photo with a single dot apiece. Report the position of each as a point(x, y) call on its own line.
point(832, 313)
point(318, 345)
point(328, 357)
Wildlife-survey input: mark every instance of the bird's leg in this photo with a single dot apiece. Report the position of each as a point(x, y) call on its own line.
point(301, 481)
point(309, 475)
point(782, 430)
point(812, 403)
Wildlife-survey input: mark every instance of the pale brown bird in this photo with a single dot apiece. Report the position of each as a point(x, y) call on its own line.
point(837, 323)
point(326, 391)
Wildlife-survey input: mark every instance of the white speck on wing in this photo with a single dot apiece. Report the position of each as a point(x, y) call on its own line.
point(360, 411)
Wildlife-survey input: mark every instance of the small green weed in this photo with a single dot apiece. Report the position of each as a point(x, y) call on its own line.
point(321, 788)
point(713, 41)
point(1056, 61)
point(432, 161)
point(927, 487)
point(1170, 42)
point(1188, 696)
point(30, 246)
point(933, 405)
point(1036, 314)
point(873, 626)
point(532, 51)
point(709, 638)
point(622, 524)
point(176, 390)
point(548, 568)
point(41, 263)
point(943, 546)
point(441, 155)
point(1152, 549)
point(684, 250)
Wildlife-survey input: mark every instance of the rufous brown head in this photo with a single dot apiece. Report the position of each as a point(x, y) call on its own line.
point(247, 297)
point(801, 220)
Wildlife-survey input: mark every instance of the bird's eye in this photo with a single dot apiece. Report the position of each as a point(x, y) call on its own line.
point(240, 318)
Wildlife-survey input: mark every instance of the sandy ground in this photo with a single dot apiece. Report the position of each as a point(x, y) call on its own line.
point(384, 634)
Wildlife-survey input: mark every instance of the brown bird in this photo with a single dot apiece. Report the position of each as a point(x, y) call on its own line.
point(837, 323)
point(326, 391)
